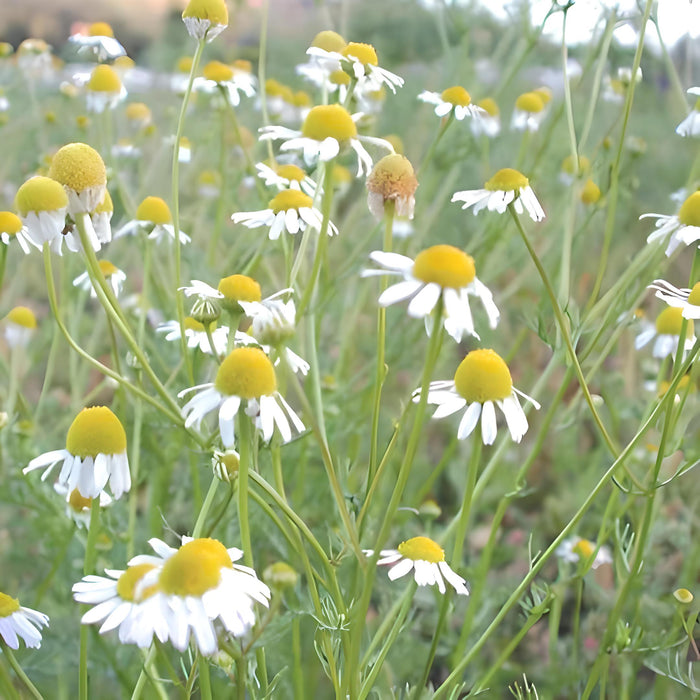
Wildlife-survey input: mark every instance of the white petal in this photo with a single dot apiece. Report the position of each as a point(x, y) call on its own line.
point(469, 420)
point(488, 423)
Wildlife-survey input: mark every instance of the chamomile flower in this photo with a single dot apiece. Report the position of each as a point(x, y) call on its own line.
point(439, 272)
point(34, 59)
point(198, 589)
point(78, 508)
point(665, 333)
point(138, 115)
point(219, 77)
point(683, 228)
point(20, 326)
point(117, 605)
point(98, 38)
point(101, 219)
point(18, 622)
point(95, 454)
point(153, 215)
point(205, 19)
point(321, 66)
point(506, 186)
point(42, 203)
point(529, 112)
point(112, 274)
point(104, 89)
point(481, 382)
point(12, 228)
point(245, 380)
point(286, 177)
point(426, 559)
point(392, 180)
point(290, 210)
point(81, 171)
point(326, 131)
point(690, 126)
point(489, 122)
point(454, 100)
point(688, 300)
point(575, 550)
point(196, 335)
point(230, 292)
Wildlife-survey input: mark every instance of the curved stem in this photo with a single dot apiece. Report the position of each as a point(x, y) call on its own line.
point(31, 688)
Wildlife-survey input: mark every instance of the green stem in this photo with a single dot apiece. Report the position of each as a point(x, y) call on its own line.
point(204, 511)
point(6, 685)
point(244, 446)
point(204, 679)
point(465, 510)
point(31, 688)
point(88, 568)
point(438, 137)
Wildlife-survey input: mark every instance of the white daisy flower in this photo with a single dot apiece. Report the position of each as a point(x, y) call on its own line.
point(95, 454)
point(117, 606)
point(289, 210)
point(454, 100)
point(575, 550)
point(196, 335)
point(43, 203)
point(245, 380)
point(12, 228)
point(326, 130)
point(319, 67)
point(665, 333)
point(683, 228)
point(78, 508)
point(18, 622)
point(153, 214)
point(529, 112)
point(104, 90)
point(481, 382)
point(506, 186)
point(198, 589)
point(205, 19)
point(219, 77)
point(98, 38)
point(441, 271)
point(489, 123)
point(688, 300)
point(20, 326)
point(426, 559)
point(230, 292)
point(287, 176)
point(690, 126)
point(112, 274)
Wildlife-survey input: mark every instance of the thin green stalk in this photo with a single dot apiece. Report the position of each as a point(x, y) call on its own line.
point(465, 511)
point(88, 568)
point(262, 64)
point(444, 606)
point(204, 679)
point(6, 685)
point(567, 95)
point(206, 506)
point(3, 262)
point(244, 446)
point(438, 137)
point(145, 672)
point(31, 688)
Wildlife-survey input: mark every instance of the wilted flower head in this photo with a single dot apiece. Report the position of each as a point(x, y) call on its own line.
point(392, 179)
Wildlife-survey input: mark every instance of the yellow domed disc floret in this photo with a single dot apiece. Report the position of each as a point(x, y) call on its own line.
point(184, 64)
point(694, 296)
point(584, 548)
point(339, 77)
point(213, 10)
point(138, 112)
point(127, 582)
point(96, 431)
point(483, 376)
point(106, 206)
point(78, 502)
point(488, 104)
point(669, 322)
point(240, 288)
point(290, 172)
point(218, 72)
point(575, 166)
point(8, 605)
point(364, 53)
point(456, 95)
point(195, 568)
point(100, 29)
point(444, 265)
point(329, 41)
point(155, 210)
point(590, 193)
point(422, 549)
point(392, 176)
point(78, 167)
point(325, 121)
point(246, 372)
point(107, 268)
point(529, 102)
point(506, 180)
point(289, 199)
point(689, 214)
point(10, 223)
point(40, 194)
point(22, 316)
point(104, 79)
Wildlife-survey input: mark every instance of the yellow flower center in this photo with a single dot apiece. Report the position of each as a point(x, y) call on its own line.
point(325, 121)
point(301, 99)
point(22, 316)
point(123, 64)
point(195, 568)
point(213, 10)
point(689, 214)
point(529, 102)
point(273, 87)
point(574, 166)
point(506, 180)
point(392, 176)
point(106, 206)
point(10, 223)
point(78, 167)
point(456, 95)
point(184, 64)
point(422, 549)
point(329, 41)
point(209, 177)
point(669, 322)
point(78, 502)
point(246, 372)
point(339, 77)
point(584, 548)
point(82, 121)
point(96, 431)
point(104, 79)
point(444, 265)
point(240, 288)
point(240, 64)
point(191, 324)
point(40, 193)
point(107, 268)
point(8, 605)
point(590, 193)
point(155, 210)
point(489, 105)
point(100, 29)
point(544, 93)
point(291, 172)
point(694, 296)
point(341, 175)
point(364, 53)
point(483, 376)
point(683, 595)
point(289, 199)
point(280, 575)
point(218, 72)
point(127, 582)
point(138, 112)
